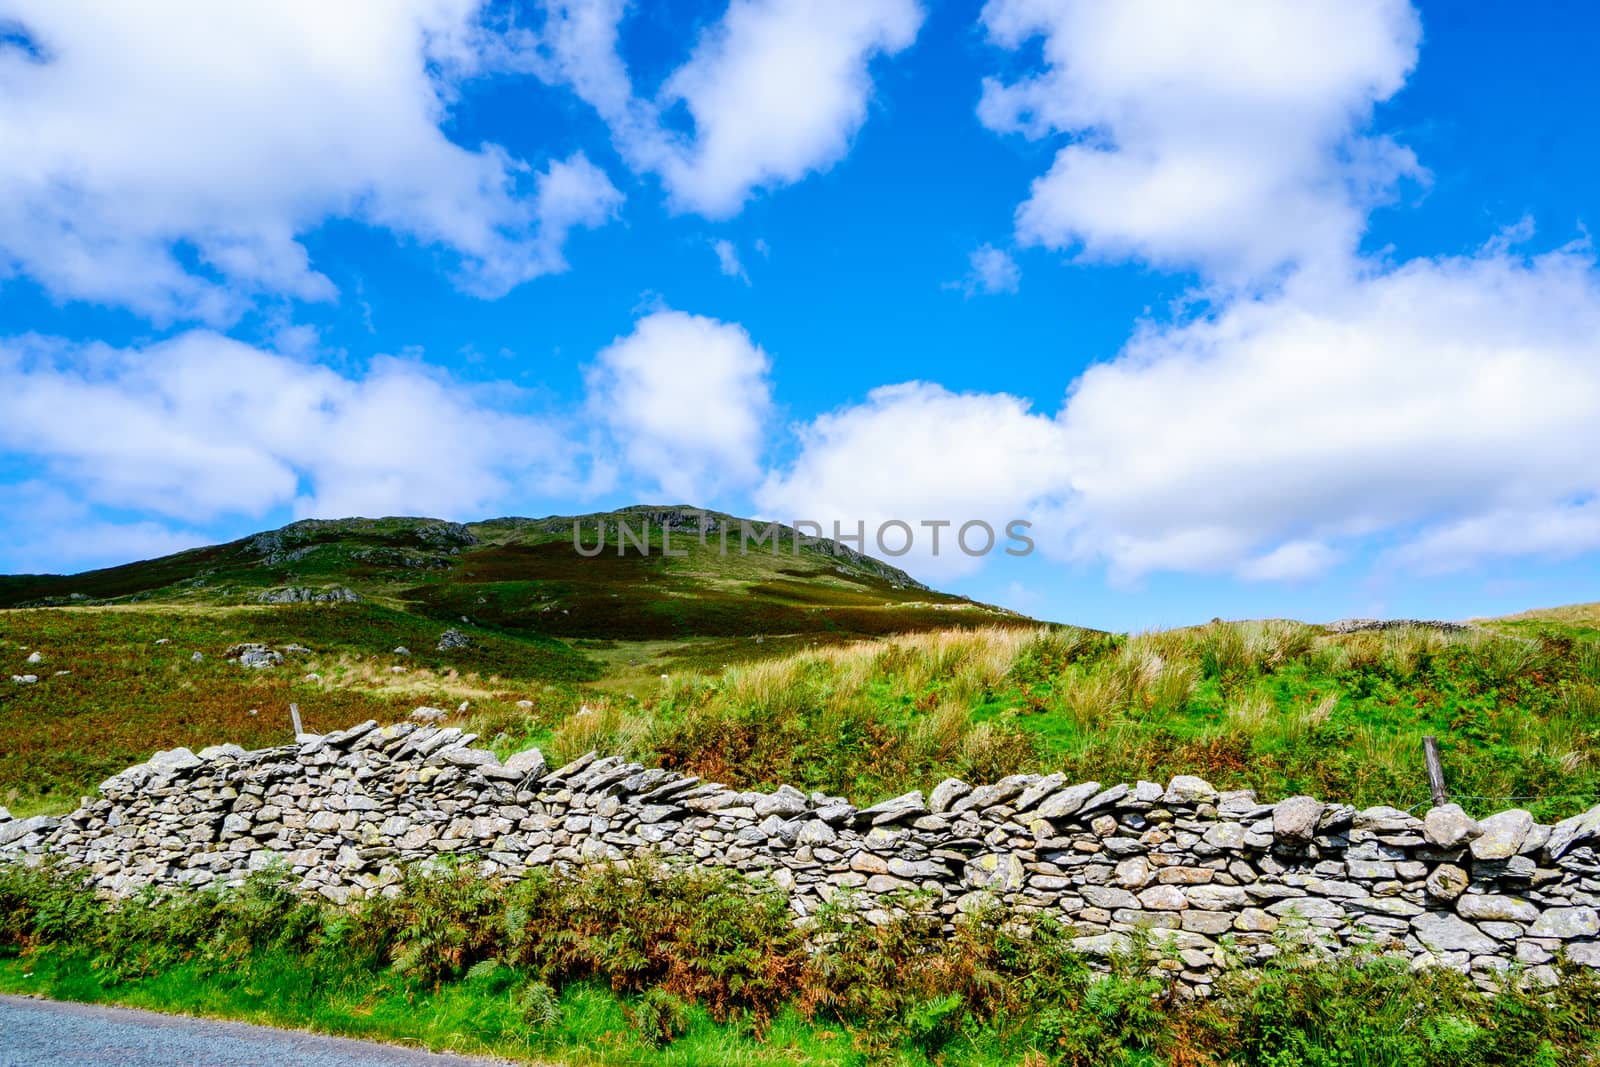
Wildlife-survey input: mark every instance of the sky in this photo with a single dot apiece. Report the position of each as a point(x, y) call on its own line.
point(1250, 308)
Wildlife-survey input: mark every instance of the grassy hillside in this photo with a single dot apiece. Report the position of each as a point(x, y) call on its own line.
point(1281, 707)
point(543, 625)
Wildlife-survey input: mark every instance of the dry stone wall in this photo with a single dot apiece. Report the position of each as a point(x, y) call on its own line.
point(1210, 874)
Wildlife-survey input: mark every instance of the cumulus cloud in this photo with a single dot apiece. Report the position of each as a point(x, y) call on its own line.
point(1439, 392)
point(990, 270)
point(168, 156)
point(685, 399)
point(919, 452)
point(1223, 135)
point(203, 426)
point(773, 91)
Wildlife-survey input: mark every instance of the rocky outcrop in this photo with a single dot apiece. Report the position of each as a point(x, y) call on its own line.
point(299, 594)
point(1210, 875)
point(1355, 626)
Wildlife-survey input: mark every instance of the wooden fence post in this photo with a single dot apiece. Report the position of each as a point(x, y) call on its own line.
point(294, 716)
point(1430, 756)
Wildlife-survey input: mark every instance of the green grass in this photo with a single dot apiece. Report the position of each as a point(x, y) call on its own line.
point(1282, 708)
point(656, 967)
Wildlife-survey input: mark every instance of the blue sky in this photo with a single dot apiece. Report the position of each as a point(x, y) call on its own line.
point(1252, 309)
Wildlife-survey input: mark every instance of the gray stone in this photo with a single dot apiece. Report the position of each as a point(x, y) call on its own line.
point(1480, 907)
point(1163, 898)
point(947, 793)
point(1570, 832)
point(17, 829)
point(1187, 789)
point(1294, 820)
point(173, 761)
point(1447, 826)
point(995, 871)
point(1447, 882)
point(1442, 932)
point(452, 640)
point(1566, 923)
point(1502, 835)
point(904, 806)
point(1065, 803)
point(529, 762)
point(1104, 896)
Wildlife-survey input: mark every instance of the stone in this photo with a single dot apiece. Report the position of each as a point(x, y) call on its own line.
point(1570, 832)
point(1215, 897)
point(1442, 932)
point(17, 829)
point(1187, 789)
point(1566, 923)
point(253, 655)
point(1038, 791)
point(1226, 835)
point(1133, 872)
point(1307, 908)
point(1502, 835)
point(904, 806)
point(1065, 803)
point(1210, 923)
point(1163, 898)
point(1294, 820)
point(529, 762)
point(453, 640)
point(787, 802)
point(1104, 799)
point(1447, 882)
point(995, 871)
point(1447, 826)
point(1480, 907)
point(1254, 920)
point(173, 760)
point(947, 793)
point(1104, 896)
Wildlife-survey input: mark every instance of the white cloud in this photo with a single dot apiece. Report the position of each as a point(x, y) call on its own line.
point(773, 91)
point(990, 270)
point(916, 452)
point(141, 133)
point(203, 426)
point(686, 399)
point(1290, 561)
point(1225, 135)
point(1447, 394)
point(728, 260)
point(1559, 530)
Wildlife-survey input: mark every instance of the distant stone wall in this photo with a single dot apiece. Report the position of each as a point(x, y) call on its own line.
point(1201, 869)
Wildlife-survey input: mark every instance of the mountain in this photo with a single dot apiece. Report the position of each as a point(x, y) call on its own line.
point(660, 573)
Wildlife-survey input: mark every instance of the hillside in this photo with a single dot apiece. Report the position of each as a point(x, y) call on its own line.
point(135, 658)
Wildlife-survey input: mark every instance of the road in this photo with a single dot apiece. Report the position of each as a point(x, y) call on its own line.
point(46, 1033)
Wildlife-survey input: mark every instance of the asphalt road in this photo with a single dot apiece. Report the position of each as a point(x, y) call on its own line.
point(46, 1033)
